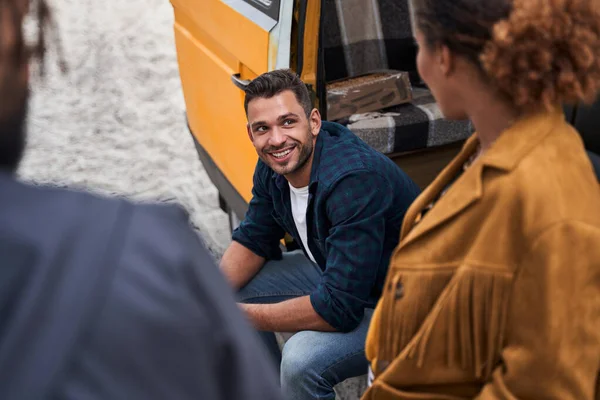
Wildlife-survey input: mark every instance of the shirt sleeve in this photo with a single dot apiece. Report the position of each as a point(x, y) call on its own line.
point(357, 211)
point(259, 231)
point(552, 348)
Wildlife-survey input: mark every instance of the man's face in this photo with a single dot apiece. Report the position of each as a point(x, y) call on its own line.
point(13, 84)
point(283, 136)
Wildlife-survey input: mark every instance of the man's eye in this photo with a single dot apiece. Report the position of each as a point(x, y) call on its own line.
point(261, 129)
point(288, 122)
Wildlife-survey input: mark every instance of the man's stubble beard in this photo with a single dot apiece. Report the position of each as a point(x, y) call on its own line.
point(305, 151)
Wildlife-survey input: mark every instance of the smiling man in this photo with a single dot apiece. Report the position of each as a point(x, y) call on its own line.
point(343, 203)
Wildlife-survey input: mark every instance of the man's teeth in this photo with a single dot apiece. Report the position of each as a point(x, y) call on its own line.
point(282, 154)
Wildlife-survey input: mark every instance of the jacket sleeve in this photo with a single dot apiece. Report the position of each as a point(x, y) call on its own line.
point(259, 231)
point(357, 212)
point(169, 327)
point(552, 350)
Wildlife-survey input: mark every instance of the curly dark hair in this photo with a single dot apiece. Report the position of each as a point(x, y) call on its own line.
point(535, 52)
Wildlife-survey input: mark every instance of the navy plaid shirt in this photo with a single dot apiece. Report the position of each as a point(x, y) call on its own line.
point(357, 201)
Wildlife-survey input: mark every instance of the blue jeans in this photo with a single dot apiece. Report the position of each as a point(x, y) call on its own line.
point(312, 363)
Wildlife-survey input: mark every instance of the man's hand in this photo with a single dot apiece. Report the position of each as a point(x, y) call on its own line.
point(239, 265)
point(288, 316)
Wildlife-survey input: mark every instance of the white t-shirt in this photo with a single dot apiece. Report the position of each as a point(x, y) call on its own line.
point(299, 199)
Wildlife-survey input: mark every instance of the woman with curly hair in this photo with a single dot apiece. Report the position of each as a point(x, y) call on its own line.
point(494, 289)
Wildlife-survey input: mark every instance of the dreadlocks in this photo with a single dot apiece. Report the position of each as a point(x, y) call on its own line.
point(39, 11)
point(15, 56)
point(46, 26)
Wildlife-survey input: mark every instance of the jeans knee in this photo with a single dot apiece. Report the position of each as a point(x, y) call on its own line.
point(306, 358)
point(293, 368)
point(298, 367)
point(244, 295)
point(250, 293)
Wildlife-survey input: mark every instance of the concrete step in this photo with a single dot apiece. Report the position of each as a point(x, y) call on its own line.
point(351, 389)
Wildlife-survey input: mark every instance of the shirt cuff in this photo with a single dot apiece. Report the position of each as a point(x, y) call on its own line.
point(266, 252)
point(324, 306)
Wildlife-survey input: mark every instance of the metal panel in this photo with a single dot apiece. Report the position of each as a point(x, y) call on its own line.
point(227, 30)
point(251, 11)
point(268, 7)
point(280, 37)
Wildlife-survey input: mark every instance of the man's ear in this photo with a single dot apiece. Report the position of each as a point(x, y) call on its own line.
point(315, 122)
point(446, 60)
point(249, 129)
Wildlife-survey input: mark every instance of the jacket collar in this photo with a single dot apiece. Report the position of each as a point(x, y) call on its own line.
point(459, 196)
point(510, 148)
point(520, 139)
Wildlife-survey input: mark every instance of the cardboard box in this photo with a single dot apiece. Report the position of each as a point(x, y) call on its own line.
point(367, 93)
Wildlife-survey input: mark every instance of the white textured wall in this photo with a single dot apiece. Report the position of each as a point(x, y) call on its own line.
point(115, 122)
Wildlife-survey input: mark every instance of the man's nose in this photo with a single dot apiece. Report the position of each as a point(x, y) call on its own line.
point(277, 138)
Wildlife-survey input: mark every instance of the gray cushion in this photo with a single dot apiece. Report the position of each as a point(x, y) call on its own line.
point(408, 127)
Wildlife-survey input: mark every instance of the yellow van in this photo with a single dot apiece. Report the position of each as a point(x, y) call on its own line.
point(223, 44)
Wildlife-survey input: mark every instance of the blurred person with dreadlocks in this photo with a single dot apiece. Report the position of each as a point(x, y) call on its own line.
point(103, 299)
point(494, 289)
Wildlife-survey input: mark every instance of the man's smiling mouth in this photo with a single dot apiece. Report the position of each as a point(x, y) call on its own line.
point(282, 155)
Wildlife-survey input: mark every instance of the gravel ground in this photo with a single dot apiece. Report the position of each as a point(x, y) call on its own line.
point(114, 123)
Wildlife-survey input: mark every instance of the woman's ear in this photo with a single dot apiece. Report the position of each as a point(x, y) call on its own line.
point(446, 60)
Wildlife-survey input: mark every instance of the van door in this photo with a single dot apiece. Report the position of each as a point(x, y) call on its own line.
point(221, 46)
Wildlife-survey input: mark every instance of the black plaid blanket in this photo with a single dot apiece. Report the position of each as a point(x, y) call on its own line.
point(408, 127)
point(361, 36)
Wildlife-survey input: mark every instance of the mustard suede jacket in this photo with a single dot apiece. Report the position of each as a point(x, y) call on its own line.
point(495, 292)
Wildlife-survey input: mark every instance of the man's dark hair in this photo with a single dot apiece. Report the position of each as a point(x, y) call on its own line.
point(275, 82)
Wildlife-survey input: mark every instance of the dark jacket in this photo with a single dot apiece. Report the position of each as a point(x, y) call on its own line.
point(101, 299)
point(356, 204)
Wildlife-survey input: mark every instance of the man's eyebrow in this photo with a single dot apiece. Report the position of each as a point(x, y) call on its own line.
point(286, 116)
point(257, 124)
